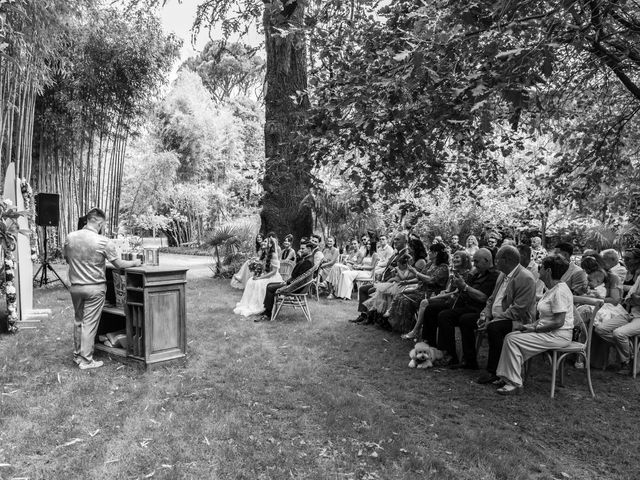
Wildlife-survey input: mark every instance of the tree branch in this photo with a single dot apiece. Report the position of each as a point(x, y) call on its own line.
point(615, 64)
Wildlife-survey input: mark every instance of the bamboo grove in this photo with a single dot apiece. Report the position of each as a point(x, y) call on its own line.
point(27, 36)
point(70, 106)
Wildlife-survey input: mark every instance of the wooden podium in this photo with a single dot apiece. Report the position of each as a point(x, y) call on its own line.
point(153, 316)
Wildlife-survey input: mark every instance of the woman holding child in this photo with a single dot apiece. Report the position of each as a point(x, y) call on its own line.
point(252, 301)
point(381, 299)
point(429, 278)
point(603, 285)
point(446, 299)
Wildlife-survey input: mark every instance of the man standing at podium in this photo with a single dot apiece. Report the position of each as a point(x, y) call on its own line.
point(86, 252)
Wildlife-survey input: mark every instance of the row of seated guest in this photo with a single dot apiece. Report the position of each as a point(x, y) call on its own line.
point(427, 273)
point(361, 263)
point(239, 280)
point(510, 302)
point(341, 277)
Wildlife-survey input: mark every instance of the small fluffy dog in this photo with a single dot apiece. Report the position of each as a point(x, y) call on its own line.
point(422, 355)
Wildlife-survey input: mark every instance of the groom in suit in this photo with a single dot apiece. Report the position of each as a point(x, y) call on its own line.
point(299, 276)
point(512, 303)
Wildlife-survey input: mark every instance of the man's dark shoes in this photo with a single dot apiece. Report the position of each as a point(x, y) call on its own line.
point(262, 318)
point(625, 369)
point(445, 361)
point(361, 318)
point(487, 378)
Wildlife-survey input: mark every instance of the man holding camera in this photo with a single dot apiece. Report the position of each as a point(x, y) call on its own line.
point(471, 298)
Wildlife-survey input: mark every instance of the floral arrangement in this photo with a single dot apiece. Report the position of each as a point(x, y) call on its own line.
point(255, 267)
point(29, 206)
point(8, 231)
point(10, 290)
point(135, 243)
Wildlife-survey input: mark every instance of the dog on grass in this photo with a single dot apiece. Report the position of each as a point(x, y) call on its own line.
point(423, 356)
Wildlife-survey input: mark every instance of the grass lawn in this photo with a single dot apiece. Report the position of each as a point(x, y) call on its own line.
point(291, 399)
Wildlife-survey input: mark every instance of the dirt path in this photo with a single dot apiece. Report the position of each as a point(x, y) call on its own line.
point(198, 266)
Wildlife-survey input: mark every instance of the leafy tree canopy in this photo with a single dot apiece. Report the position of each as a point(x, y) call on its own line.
point(427, 93)
point(229, 70)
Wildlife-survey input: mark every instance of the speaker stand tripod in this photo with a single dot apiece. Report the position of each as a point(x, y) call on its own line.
point(45, 265)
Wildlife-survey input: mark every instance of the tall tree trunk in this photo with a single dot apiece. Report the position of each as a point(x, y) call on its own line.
point(287, 169)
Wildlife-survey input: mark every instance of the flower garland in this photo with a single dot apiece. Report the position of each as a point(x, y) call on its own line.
point(8, 231)
point(10, 290)
point(29, 206)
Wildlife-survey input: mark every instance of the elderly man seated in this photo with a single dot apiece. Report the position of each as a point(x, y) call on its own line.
point(612, 264)
point(512, 304)
point(472, 298)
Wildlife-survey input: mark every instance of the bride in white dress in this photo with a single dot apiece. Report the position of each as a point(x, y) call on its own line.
point(239, 280)
point(252, 301)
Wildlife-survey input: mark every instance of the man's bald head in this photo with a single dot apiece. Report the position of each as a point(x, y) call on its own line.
point(400, 241)
point(482, 259)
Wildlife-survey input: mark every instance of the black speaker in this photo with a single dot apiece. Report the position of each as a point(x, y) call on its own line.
point(47, 209)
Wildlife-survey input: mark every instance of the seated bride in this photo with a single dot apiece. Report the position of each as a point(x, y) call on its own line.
point(252, 301)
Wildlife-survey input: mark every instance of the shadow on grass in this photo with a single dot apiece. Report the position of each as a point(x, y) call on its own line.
point(294, 399)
